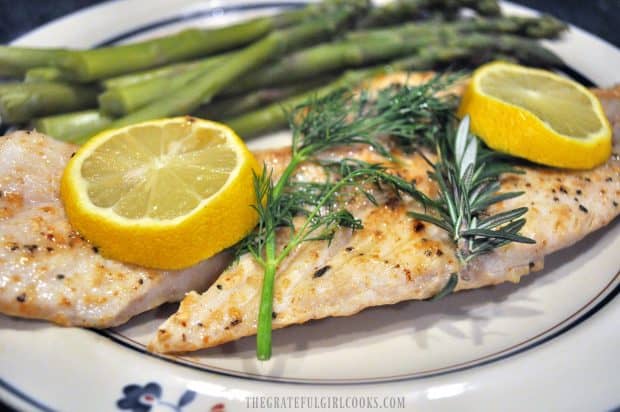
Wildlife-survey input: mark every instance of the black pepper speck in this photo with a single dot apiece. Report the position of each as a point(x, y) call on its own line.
point(583, 209)
point(21, 298)
point(320, 272)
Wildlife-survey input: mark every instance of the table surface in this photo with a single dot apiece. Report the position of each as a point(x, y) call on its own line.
point(600, 17)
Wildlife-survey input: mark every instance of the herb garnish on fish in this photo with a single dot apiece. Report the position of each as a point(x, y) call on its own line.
point(412, 116)
point(468, 179)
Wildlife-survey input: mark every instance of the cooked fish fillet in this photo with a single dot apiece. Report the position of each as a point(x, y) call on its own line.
point(395, 257)
point(47, 271)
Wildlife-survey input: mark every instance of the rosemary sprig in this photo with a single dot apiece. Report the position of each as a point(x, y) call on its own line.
point(341, 118)
point(468, 179)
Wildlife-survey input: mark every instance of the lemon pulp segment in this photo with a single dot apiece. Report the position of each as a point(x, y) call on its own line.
point(549, 100)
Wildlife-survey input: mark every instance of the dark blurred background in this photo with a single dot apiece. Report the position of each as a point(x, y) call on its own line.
point(600, 17)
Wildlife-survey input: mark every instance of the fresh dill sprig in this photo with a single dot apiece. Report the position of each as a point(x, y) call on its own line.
point(408, 113)
point(468, 179)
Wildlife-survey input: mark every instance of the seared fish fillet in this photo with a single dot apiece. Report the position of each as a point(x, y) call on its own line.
point(395, 257)
point(47, 271)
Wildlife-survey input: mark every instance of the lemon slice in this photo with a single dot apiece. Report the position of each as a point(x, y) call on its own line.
point(537, 115)
point(164, 194)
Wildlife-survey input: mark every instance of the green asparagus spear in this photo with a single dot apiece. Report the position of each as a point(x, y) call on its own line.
point(543, 27)
point(90, 65)
point(399, 11)
point(14, 61)
point(189, 97)
point(476, 49)
point(20, 102)
point(65, 125)
point(168, 71)
point(527, 51)
point(233, 106)
point(95, 64)
point(326, 58)
point(273, 116)
point(531, 27)
point(119, 101)
point(44, 74)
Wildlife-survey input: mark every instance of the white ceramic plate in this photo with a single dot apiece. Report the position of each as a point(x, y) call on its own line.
point(549, 343)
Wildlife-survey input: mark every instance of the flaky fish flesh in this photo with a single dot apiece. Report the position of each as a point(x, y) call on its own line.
point(47, 270)
point(394, 257)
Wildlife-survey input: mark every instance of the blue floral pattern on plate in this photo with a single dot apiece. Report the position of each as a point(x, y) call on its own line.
point(148, 398)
